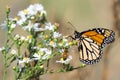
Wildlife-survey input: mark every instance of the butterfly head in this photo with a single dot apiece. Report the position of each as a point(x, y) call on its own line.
point(77, 35)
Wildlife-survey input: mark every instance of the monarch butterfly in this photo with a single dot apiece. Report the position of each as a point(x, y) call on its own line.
point(91, 43)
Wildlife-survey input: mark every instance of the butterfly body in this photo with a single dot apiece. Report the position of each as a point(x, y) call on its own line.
point(92, 42)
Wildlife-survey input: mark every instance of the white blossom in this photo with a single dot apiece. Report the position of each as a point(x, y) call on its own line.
point(22, 14)
point(36, 27)
point(22, 19)
point(28, 27)
point(46, 54)
point(13, 26)
point(56, 34)
point(17, 36)
point(13, 52)
point(43, 54)
point(28, 39)
point(52, 44)
point(24, 60)
point(4, 25)
point(34, 9)
point(1, 49)
point(67, 61)
point(45, 50)
point(36, 56)
point(49, 26)
point(35, 47)
point(30, 11)
point(22, 38)
point(66, 43)
point(21, 63)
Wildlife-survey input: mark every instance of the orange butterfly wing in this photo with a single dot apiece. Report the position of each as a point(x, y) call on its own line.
point(91, 44)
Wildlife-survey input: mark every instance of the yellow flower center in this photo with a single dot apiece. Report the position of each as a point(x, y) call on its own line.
point(51, 42)
point(25, 11)
point(39, 45)
point(25, 58)
point(29, 37)
point(61, 59)
point(46, 36)
point(70, 43)
point(16, 18)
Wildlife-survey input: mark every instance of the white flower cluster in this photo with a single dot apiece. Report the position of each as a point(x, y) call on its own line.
point(32, 12)
point(43, 42)
point(42, 54)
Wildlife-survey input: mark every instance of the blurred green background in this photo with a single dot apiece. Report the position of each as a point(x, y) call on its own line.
point(83, 14)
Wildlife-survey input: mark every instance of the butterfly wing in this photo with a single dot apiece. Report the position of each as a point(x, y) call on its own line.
point(92, 43)
point(89, 51)
point(100, 35)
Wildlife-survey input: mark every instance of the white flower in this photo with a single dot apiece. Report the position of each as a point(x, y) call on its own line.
point(1, 49)
point(67, 61)
point(16, 37)
point(52, 44)
point(56, 34)
point(29, 12)
point(34, 9)
point(13, 52)
point(61, 50)
point(21, 63)
point(36, 27)
point(49, 26)
point(28, 27)
point(25, 60)
point(45, 50)
point(28, 39)
point(47, 53)
point(4, 25)
point(13, 26)
point(43, 54)
point(22, 38)
point(36, 56)
point(22, 14)
point(22, 18)
point(35, 47)
point(66, 43)
point(21, 21)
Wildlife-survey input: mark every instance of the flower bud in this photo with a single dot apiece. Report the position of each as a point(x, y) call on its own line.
point(7, 9)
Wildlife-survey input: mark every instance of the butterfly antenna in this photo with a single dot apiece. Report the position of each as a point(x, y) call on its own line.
point(75, 30)
point(72, 25)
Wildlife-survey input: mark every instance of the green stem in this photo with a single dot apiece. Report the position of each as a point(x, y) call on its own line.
point(6, 45)
point(5, 67)
point(15, 76)
point(18, 47)
point(5, 56)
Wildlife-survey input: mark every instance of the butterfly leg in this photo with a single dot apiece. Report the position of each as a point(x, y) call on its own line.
point(72, 37)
